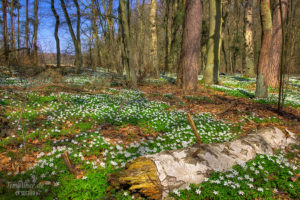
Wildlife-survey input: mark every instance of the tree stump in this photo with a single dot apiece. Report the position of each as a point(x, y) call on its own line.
point(156, 175)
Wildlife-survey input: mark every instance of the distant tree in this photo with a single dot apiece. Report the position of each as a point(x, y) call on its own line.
point(56, 33)
point(263, 68)
point(12, 26)
point(27, 29)
point(189, 57)
point(211, 70)
point(153, 44)
point(96, 37)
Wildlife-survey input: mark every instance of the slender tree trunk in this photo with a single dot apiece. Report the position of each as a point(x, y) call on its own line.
point(96, 37)
point(35, 32)
point(249, 44)
point(79, 54)
point(18, 3)
point(166, 69)
point(211, 71)
point(153, 44)
point(77, 46)
point(5, 38)
point(56, 33)
point(27, 29)
point(127, 45)
point(264, 56)
point(189, 56)
point(12, 26)
point(273, 78)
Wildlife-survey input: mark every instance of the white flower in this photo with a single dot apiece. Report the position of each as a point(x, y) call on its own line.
point(125, 193)
point(260, 189)
point(176, 192)
point(241, 192)
point(198, 191)
point(216, 192)
point(188, 188)
point(84, 177)
point(56, 184)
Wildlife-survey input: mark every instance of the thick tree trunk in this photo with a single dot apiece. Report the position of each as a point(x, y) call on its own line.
point(79, 54)
point(127, 44)
point(249, 43)
point(273, 77)
point(153, 42)
point(211, 71)
point(190, 50)
point(264, 56)
point(35, 32)
point(5, 38)
point(56, 34)
point(158, 174)
point(167, 37)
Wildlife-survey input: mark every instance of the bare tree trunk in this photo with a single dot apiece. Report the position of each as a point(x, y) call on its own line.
point(27, 29)
point(211, 71)
point(12, 26)
point(264, 56)
point(153, 43)
point(18, 4)
point(79, 54)
point(167, 37)
point(190, 50)
point(273, 78)
point(56, 33)
point(77, 46)
point(156, 175)
point(35, 32)
point(96, 37)
point(5, 38)
point(249, 44)
point(127, 43)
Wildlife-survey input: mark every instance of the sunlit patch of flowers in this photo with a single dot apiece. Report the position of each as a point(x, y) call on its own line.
point(263, 177)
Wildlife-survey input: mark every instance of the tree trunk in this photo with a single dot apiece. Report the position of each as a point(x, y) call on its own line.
point(35, 32)
point(127, 45)
point(190, 50)
point(158, 174)
point(77, 46)
point(12, 26)
point(27, 29)
point(167, 37)
point(79, 54)
point(272, 78)
point(18, 4)
point(5, 38)
point(153, 42)
point(248, 34)
point(264, 56)
point(56, 34)
point(211, 71)
point(96, 37)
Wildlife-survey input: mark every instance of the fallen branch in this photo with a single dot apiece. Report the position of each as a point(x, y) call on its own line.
point(66, 159)
point(156, 175)
point(191, 121)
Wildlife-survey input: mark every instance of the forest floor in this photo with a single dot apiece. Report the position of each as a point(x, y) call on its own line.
point(104, 128)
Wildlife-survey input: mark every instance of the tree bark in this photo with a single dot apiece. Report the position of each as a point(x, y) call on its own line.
point(35, 32)
point(56, 34)
point(211, 71)
point(5, 38)
point(248, 35)
point(96, 37)
point(127, 44)
point(18, 4)
point(153, 42)
point(12, 26)
point(273, 77)
point(264, 56)
point(190, 50)
point(76, 42)
point(167, 37)
point(27, 29)
point(158, 174)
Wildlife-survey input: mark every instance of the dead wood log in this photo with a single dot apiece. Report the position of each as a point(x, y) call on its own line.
point(156, 175)
point(191, 121)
